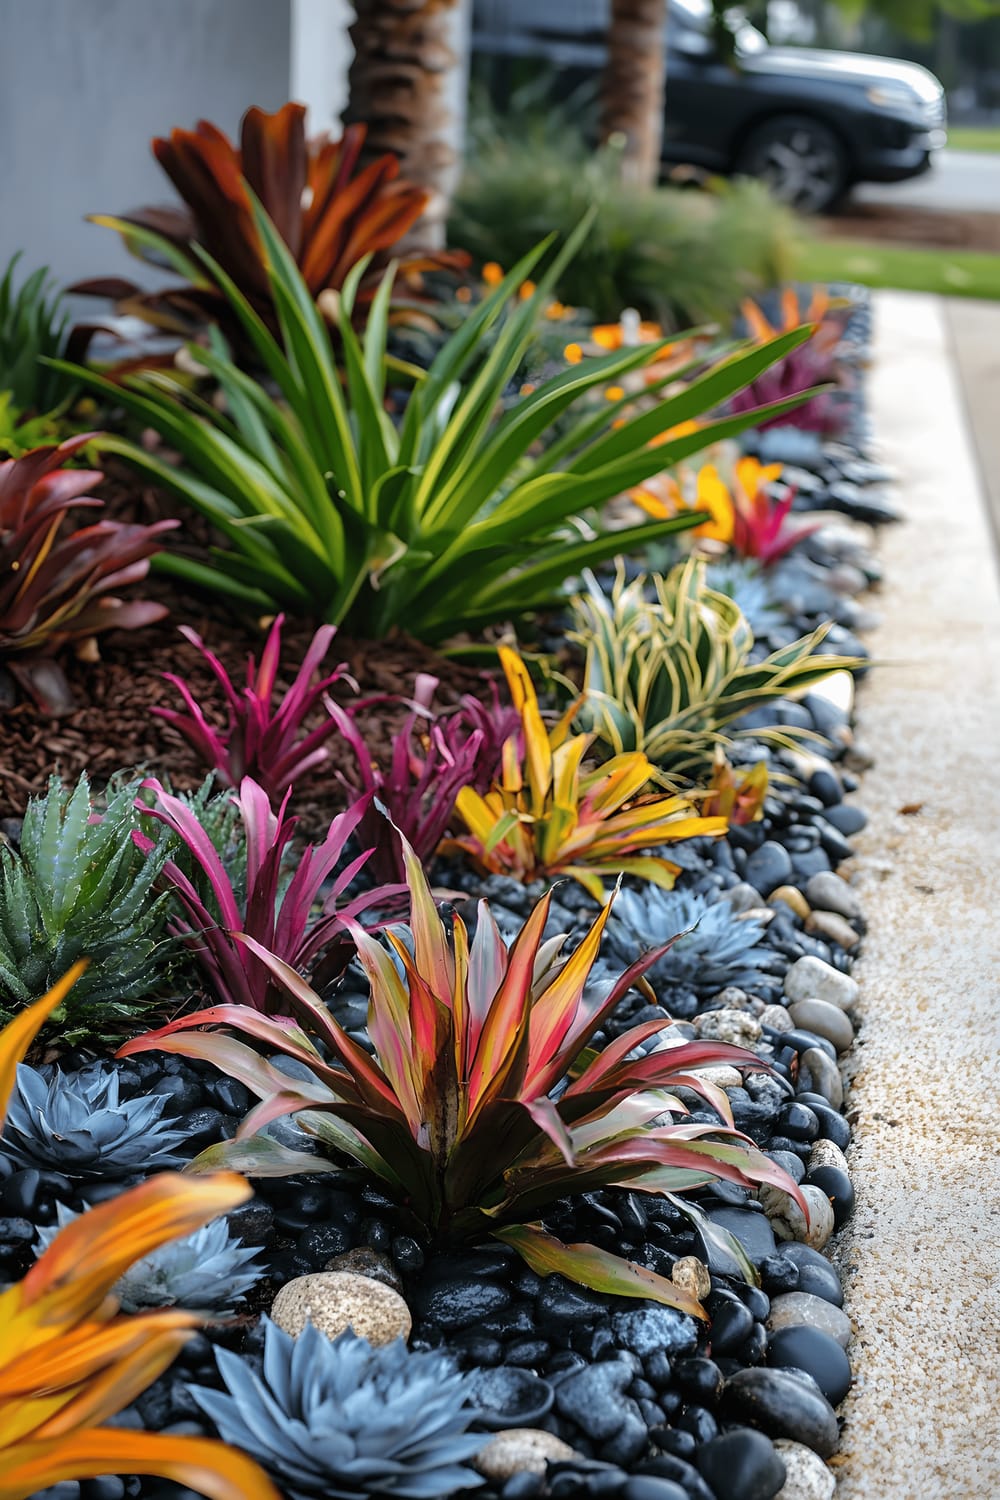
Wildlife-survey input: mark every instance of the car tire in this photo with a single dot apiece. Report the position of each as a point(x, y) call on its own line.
point(802, 161)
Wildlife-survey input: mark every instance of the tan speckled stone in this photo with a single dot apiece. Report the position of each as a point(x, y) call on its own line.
point(692, 1275)
point(520, 1450)
point(826, 1154)
point(335, 1300)
point(806, 1475)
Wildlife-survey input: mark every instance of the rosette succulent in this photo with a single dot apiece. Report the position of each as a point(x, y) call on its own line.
point(209, 1271)
point(76, 1124)
point(717, 945)
point(343, 1419)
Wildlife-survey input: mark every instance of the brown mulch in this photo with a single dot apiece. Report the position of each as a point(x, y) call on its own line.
point(932, 229)
point(113, 729)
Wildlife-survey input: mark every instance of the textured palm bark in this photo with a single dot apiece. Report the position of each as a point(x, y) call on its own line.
point(407, 83)
point(633, 84)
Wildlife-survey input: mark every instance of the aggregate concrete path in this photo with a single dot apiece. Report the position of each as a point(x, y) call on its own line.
point(921, 1256)
point(974, 329)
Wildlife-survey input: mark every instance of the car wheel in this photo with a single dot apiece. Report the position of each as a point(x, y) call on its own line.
point(800, 159)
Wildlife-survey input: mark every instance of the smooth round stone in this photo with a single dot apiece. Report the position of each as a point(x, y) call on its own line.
point(807, 1476)
point(743, 897)
point(833, 927)
point(825, 1075)
point(809, 978)
point(802, 1309)
point(816, 1352)
point(829, 892)
point(336, 1300)
point(731, 1325)
point(832, 1125)
point(510, 1398)
point(680, 1472)
point(846, 818)
point(651, 1487)
point(768, 867)
point(793, 898)
point(825, 784)
point(520, 1450)
point(838, 1188)
point(825, 1020)
point(742, 1464)
point(789, 1222)
point(789, 1163)
point(776, 1017)
point(803, 1040)
point(751, 1229)
point(826, 1154)
point(785, 1404)
point(816, 1274)
point(798, 1122)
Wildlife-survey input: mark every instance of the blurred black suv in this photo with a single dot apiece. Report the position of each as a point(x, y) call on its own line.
point(811, 123)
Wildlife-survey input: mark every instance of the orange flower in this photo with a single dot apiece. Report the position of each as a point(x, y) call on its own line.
point(557, 310)
point(612, 335)
point(572, 354)
point(526, 289)
point(492, 273)
point(614, 393)
point(528, 388)
point(711, 495)
point(463, 294)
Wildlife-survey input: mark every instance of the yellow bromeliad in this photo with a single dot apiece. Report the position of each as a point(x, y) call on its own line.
point(549, 816)
point(68, 1362)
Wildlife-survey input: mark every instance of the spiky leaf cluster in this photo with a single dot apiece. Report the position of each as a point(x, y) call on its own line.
point(76, 1124)
point(77, 887)
point(34, 323)
point(341, 1419)
point(668, 674)
point(209, 1271)
point(717, 946)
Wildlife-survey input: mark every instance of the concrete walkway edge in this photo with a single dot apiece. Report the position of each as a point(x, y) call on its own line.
point(920, 1258)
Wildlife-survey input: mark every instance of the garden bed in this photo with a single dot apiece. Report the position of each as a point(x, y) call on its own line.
point(625, 1396)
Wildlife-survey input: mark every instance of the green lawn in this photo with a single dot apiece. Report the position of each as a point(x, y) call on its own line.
point(953, 273)
point(974, 137)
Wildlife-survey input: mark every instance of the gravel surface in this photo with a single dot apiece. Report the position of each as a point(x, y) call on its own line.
point(920, 1255)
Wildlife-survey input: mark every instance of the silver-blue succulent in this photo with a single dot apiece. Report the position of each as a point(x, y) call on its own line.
point(209, 1271)
point(341, 1419)
point(75, 1123)
point(722, 947)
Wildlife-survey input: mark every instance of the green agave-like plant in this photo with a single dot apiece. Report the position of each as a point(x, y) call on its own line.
point(77, 887)
point(667, 674)
point(483, 1103)
point(448, 520)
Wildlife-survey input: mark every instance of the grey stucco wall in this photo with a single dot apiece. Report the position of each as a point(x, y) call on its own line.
point(85, 84)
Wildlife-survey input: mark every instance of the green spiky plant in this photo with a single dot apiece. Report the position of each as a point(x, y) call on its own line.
point(666, 675)
point(450, 520)
point(77, 887)
point(34, 325)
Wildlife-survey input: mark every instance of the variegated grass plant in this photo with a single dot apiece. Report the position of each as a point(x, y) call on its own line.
point(547, 816)
point(483, 1103)
point(665, 675)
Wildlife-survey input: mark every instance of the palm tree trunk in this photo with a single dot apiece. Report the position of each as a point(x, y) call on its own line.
point(632, 88)
point(408, 83)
